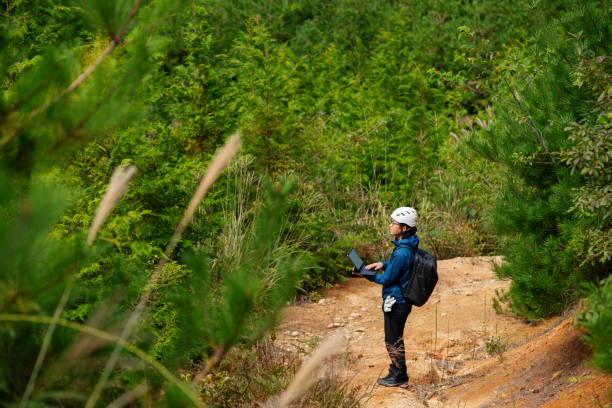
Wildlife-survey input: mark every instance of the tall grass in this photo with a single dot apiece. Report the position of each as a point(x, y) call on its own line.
point(116, 189)
point(444, 227)
point(243, 192)
point(220, 161)
point(306, 375)
point(120, 342)
point(446, 233)
point(249, 376)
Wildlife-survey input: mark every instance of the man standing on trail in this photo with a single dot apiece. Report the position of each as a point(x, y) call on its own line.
point(394, 279)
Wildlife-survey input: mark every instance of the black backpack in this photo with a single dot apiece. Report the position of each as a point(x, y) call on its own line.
point(423, 277)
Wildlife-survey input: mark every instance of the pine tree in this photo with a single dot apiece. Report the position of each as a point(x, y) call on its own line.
point(265, 84)
point(543, 233)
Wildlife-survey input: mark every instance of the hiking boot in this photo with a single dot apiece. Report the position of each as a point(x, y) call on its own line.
point(404, 385)
point(394, 380)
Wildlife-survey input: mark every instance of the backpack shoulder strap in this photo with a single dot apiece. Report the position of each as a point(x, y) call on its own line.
point(410, 247)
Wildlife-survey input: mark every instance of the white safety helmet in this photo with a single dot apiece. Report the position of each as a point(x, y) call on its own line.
point(405, 215)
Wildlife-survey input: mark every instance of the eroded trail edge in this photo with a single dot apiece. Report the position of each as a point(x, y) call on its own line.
point(459, 351)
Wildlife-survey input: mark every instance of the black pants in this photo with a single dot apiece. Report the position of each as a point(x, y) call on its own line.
point(395, 320)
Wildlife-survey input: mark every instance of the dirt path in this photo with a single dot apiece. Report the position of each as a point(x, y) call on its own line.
point(451, 346)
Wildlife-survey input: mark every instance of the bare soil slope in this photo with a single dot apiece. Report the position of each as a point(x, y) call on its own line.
point(460, 353)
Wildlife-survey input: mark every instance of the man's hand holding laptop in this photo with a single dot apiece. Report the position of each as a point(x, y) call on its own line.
point(376, 266)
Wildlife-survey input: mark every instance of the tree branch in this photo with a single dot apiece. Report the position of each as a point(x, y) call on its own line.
point(81, 78)
point(534, 129)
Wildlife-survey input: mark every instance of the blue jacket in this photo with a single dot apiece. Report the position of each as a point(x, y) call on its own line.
point(397, 270)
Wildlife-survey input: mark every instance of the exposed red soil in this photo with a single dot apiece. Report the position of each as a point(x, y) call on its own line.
point(451, 346)
point(544, 371)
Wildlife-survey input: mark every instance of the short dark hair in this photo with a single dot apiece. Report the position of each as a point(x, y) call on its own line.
point(410, 231)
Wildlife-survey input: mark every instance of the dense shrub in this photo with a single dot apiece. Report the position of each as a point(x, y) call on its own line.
point(595, 317)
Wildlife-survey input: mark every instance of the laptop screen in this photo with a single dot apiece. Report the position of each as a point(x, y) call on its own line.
point(355, 259)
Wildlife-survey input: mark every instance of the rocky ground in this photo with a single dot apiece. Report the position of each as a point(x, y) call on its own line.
point(460, 353)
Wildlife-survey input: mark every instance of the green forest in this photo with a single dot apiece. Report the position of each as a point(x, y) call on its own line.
point(173, 173)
